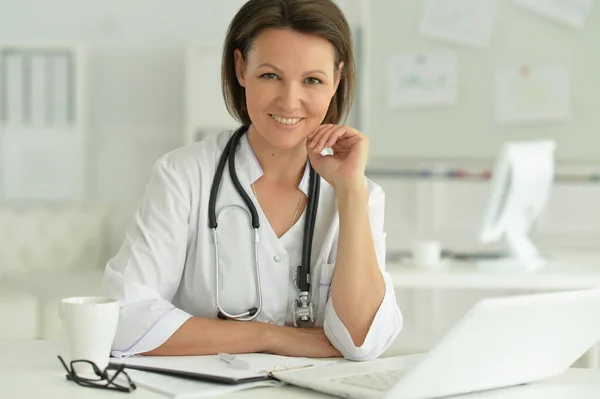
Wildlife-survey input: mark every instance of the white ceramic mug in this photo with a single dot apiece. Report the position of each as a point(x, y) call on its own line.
point(427, 253)
point(90, 325)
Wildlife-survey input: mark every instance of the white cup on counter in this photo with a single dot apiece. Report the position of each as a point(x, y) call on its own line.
point(426, 253)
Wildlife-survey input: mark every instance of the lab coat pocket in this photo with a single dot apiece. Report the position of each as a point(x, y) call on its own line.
point(323, 291)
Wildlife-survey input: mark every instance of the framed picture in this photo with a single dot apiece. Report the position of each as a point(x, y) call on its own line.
point(529, 94)
point(420, 80)
point(573, 13)
point(467, 22)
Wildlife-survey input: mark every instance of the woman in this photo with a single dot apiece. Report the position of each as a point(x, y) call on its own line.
point(288, 77)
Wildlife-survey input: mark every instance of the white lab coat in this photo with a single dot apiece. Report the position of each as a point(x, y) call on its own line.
point(164, 272)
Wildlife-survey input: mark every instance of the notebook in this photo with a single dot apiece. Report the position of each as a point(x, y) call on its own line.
point(213, 369)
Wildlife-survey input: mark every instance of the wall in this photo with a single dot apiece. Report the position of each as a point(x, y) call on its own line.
point(468, 130)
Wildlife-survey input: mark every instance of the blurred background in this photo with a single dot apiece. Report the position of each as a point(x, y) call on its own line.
point(92, 93)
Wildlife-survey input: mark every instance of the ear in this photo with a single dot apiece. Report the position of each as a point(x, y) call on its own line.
point(338, 75)
point(240, 67)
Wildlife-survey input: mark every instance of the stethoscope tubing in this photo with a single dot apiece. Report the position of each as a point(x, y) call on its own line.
point(303, 270)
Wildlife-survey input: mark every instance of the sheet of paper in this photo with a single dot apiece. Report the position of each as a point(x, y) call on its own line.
point(469, 22)
point(573, 13)
point(423, 80)
point(532, 94)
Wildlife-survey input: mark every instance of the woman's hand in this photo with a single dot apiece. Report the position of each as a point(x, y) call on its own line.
point(346, 167)
point(301, 342)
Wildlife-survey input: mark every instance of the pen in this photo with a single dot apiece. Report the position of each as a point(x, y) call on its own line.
point(233, 361)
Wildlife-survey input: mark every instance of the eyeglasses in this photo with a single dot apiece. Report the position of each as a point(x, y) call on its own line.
point(103, 379)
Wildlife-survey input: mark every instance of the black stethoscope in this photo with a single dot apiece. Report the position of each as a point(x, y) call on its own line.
point(302, 307)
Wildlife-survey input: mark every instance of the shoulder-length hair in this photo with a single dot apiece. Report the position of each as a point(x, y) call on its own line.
point(322, 18)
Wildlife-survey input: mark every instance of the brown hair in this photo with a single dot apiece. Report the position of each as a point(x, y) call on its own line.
point(322, 18)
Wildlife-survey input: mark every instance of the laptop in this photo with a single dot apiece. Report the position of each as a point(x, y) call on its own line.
point(500, 342)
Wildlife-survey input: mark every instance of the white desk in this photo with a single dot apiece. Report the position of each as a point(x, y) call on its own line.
point(565, 270)
point(29, 369)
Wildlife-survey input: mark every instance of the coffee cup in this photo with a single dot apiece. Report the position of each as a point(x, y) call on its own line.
point(426, 253)
point(89, 325)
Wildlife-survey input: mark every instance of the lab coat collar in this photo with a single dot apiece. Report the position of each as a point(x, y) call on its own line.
point(248, 166)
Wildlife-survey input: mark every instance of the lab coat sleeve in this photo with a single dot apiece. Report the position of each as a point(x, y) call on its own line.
point(146, 272)
point(388, 320)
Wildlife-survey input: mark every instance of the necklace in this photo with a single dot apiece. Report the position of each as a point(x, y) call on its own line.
point(295, 212)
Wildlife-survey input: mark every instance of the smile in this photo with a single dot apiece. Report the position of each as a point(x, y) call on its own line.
point(286, 121)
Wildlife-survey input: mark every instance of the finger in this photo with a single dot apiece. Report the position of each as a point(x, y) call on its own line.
point(341, 133)
point(318, 130)
point(321, 136)
point(314, 156)
point(348, 142)
point(350, 137)
point(312, 138)
point(329, 137)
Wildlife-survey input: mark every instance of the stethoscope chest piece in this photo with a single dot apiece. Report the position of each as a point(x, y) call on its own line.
point(303, 311)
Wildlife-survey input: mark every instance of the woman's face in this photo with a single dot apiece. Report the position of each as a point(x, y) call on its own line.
point(290, 79)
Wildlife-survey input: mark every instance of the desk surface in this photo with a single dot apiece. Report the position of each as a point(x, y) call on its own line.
point(564, 270)
point(29, 369)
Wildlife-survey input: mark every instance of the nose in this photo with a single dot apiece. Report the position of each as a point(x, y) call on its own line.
point(290, 96)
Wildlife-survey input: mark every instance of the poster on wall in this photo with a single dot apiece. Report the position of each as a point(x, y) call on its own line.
point(573, 13)
point(528, 94)
point(42, 167)
point(421, 80)
point(467, 22)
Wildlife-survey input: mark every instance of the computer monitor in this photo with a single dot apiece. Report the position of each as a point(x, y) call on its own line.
point(519, 189)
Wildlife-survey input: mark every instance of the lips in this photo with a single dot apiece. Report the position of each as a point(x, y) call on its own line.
point(286, 121)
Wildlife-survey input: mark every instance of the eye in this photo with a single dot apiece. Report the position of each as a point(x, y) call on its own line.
point(268, 76)
point(313, 81)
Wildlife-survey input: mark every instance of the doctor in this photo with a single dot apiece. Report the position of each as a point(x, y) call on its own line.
point(288, 77)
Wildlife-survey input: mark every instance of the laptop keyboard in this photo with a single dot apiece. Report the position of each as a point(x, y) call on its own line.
point(380, 381)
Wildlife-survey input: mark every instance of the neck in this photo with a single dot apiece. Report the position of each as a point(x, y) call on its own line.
point(279, 166)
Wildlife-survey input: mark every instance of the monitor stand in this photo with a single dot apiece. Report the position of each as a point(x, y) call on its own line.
point(523, 255)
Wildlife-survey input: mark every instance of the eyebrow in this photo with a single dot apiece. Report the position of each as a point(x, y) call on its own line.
point(266, 64)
